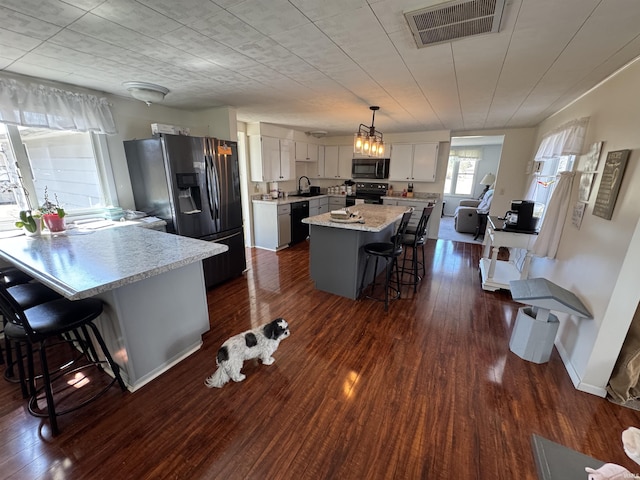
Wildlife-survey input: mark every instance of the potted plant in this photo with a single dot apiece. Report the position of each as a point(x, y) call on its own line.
point(52, 213)
point(31, 222)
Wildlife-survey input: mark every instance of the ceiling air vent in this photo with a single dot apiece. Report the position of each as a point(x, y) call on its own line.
point(454, 20)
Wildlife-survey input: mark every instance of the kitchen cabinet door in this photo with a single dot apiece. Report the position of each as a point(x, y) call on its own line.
point(301, 152)
point(284, 225)
point(401, 164)
point(345, 157)
point(425, 160)
point(317, 169)
point(264, 158)
point(287, 162)
point(331, 161)
point(306, 152)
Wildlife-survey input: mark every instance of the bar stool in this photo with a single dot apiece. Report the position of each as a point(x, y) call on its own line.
point(11, 276)
point(26, 295)
point(412, 239)
point(390, 251)
point(43, 326)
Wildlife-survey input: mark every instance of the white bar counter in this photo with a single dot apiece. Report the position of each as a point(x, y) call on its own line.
point(152, 284)
point(336, 256)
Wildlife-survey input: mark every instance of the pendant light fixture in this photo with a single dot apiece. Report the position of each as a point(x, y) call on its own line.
point(368, 140)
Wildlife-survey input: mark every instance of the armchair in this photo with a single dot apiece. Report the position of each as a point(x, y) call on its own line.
point(465, 218)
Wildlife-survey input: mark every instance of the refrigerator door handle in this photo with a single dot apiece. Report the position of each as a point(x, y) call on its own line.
point(209, 179)
point(215, 240)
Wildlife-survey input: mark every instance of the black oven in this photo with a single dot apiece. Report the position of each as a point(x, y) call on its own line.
point(370, 168)
point(371, 192)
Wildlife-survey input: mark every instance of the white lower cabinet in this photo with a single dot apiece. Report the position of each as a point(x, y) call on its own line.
point(417, 204)
point(271, 225)
point(336, 203)
point(318, 206)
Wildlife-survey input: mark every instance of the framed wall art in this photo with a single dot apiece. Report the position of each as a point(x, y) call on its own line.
point(610, 183)
point(584, 190)
point(591, 158)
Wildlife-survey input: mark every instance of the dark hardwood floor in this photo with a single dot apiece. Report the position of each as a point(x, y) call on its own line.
point(427, 390)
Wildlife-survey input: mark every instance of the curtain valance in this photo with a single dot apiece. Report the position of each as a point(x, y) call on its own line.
point(567, 139)
point(33, 105)
point(471, 153)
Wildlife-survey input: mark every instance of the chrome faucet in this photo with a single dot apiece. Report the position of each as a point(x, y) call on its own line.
point(300, 186)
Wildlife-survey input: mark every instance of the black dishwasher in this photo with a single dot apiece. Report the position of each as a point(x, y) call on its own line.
point(299, 230)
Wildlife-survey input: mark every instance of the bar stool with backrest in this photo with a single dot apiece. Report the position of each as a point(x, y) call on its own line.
point(26, 295)
point(45, 325)
point(413, 239)
point(10, 276)
point(390, 251)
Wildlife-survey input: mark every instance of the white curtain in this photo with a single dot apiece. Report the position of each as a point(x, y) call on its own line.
point(567, 139)
point(34, 105)
point(464, 153)
point(548, 239)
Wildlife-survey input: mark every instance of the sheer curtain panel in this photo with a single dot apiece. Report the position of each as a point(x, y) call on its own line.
point(548, 239)
point(34, 105)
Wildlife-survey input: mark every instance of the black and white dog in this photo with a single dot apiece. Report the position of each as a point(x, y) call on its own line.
point(259, 343)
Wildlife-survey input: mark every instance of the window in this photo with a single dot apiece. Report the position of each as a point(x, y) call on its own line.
point(69, 164)
point(461, 171)
point(545, 180)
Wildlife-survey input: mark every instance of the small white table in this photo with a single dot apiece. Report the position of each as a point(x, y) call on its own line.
point(496, 274)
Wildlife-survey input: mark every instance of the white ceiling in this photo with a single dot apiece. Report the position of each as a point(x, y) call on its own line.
point(319, 64)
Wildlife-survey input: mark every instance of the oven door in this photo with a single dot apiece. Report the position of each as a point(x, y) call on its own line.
point(373, 198)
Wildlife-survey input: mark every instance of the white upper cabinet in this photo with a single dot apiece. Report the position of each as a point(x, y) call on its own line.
point(306, 152)
point(414, 162)
point(337, 161)
point(270, 158)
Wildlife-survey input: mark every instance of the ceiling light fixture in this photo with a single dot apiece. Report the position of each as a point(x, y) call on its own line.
point(317, 133)
point(368, 140)
point(146, 92)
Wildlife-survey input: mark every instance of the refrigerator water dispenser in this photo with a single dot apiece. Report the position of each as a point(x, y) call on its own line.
point(188, 193)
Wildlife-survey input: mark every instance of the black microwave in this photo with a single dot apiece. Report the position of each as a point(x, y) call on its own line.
point(370, 168)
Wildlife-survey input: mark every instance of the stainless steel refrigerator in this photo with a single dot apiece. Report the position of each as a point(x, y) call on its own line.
point(193, 183)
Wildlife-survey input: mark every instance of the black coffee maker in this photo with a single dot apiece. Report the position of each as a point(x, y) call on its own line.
point(521, 216)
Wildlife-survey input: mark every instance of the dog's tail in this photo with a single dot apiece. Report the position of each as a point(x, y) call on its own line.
point(218, 379)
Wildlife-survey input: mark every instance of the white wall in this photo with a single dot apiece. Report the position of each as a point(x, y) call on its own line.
point(600, 262)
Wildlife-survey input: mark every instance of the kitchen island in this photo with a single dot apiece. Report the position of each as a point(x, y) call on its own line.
point(151, 282)
point(336, 256)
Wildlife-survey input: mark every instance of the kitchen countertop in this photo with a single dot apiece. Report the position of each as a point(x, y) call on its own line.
point(81, 264)
point(376, 218)
point(290, 199)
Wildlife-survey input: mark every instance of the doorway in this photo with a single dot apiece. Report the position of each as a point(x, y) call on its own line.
point(472, 161)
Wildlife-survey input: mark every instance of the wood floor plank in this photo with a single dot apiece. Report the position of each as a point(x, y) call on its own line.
point(428, 389)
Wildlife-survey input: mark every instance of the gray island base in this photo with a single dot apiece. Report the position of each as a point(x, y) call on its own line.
point(336, 255)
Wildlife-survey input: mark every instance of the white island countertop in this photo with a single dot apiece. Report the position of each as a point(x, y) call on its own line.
point(81, 265)
point(375, 218)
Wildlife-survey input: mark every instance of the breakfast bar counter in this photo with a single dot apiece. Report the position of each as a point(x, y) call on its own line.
point(151, 282)
point(336, 256)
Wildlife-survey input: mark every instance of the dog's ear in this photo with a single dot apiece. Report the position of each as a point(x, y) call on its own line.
point(269, 330)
